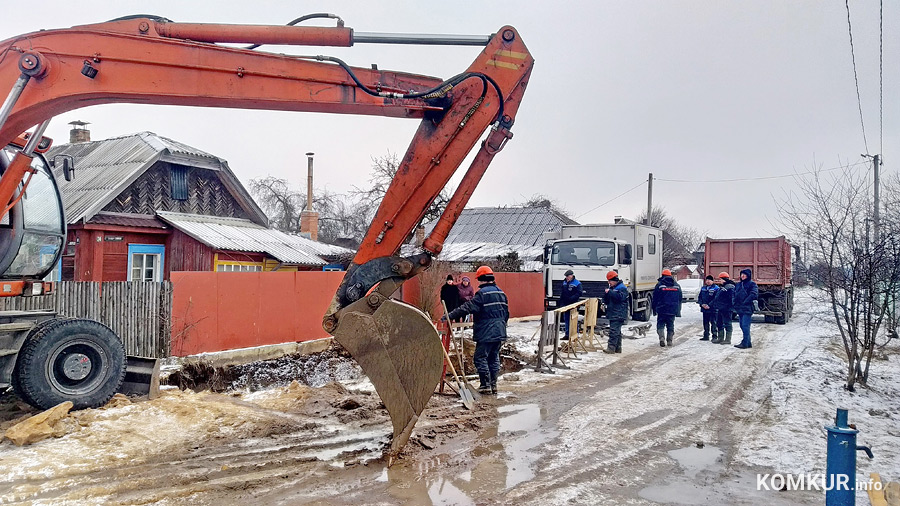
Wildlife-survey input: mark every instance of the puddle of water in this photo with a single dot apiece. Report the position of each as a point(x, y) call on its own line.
point(522, 424)
point(683, 490)
point(693, 460)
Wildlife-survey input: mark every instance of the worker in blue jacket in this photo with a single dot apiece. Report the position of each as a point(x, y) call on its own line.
point(707, 294)
point(666, 305)
point(723, 303)
point(616, 301)
point(490, 310)
point(571, 293)
point(745, 295)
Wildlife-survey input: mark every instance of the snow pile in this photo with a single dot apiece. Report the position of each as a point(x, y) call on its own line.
point(785, 409)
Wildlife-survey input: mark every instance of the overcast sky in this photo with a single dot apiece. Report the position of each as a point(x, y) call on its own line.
point(695, 91)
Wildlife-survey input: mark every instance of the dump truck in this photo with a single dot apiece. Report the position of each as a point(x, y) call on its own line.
point(770, 259)
point(632, 249)
point(153, 60)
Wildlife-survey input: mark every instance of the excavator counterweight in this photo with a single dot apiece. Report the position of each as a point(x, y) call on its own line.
point(148, 60)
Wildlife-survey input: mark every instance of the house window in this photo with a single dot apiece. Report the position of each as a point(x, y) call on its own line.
point(238, 267)
point(145, 262)
point(651, 244)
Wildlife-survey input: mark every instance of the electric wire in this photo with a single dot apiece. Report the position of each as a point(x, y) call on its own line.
point(626, 192)
point(856, 77)
point(761, 178)
point(881, 75)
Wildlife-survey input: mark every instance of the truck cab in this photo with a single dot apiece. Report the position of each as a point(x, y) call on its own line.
point(590, 260)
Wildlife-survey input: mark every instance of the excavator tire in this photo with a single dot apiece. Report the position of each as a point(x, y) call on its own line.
point(399, 349)
point(76, 360)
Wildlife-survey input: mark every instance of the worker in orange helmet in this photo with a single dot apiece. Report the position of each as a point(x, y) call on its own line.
point(616, 301)
point(490, 310)
point(666, 305)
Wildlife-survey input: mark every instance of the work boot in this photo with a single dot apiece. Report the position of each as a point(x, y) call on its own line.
point(715, 339)
point(705, 336)
point(619, 349)
point(609, 349)
point(493, 383)
point(669, 338)
point(727, 339)
point(662, 338)
point(485, 386)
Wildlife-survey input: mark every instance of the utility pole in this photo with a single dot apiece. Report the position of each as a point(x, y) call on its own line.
point(877, 216)
point(649, 219)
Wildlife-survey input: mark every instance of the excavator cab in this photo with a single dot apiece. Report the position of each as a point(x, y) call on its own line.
point(33, 232)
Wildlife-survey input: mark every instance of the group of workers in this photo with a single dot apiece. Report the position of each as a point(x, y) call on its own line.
point(718, 300)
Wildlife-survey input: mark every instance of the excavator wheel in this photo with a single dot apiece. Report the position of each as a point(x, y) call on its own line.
point(399, 349)
point(82, 361)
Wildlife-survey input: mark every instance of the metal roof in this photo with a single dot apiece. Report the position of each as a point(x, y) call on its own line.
point(103, 169)
point(504, 225)
point(127, 220)
point(236, 234)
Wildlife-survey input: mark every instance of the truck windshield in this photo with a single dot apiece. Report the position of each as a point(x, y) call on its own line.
point(583, 253)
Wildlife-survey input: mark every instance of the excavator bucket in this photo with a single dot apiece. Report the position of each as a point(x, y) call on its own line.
point(399, 349)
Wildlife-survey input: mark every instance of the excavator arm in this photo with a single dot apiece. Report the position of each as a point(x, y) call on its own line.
point(154, 61)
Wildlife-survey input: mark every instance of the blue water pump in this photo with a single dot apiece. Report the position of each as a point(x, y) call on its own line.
point(840, 464)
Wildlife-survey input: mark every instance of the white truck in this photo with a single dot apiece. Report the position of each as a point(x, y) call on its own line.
point(590, 251)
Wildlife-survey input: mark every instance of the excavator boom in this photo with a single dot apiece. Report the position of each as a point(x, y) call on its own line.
point(155, 61)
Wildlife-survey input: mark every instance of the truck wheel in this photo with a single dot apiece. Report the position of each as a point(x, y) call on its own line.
point(81, 361)
point(646, 314)
point(782, 318)
point(770, 319)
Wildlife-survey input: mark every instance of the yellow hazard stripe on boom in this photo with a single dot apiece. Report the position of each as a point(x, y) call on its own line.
point(503, 64)
point(510, 54)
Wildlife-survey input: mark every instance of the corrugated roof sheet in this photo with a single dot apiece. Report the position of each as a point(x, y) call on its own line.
point(235, 234)
point(104, 168)
point(504, 225)
point(127, 220)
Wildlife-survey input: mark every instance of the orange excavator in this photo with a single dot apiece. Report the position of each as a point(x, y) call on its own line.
point(152, 60)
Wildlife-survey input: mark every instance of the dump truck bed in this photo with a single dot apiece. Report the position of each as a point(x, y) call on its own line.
point(769, 258)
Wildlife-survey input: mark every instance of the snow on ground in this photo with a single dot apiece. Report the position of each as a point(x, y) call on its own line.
point(800, 386)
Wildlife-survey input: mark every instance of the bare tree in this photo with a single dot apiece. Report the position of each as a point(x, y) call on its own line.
point(858, 273)
point(547, 202)
point(679, 241)
point(384, 168)
point(281, 202)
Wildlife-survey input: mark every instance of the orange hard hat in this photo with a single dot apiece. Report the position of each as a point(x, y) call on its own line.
point(611, 274)
point(724, 275)
point(483, 270)
point(666, 272)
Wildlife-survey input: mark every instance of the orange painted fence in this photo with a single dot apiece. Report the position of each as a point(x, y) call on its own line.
point(525, 291)
point(216, 311)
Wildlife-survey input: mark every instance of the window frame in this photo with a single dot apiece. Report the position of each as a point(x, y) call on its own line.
point(147, 249)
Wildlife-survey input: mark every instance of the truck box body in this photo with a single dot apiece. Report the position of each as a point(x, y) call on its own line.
point(769, 259)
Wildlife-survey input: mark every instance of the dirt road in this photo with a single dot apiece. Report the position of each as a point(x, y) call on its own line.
point(692, 424)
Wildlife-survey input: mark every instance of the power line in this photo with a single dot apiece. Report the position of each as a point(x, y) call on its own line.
point(761, 178)
point(881, 75)
point(626, 192)
point(856, 77)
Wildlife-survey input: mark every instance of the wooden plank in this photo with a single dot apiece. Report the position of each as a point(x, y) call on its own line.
point(875, 491)
point(892, 493)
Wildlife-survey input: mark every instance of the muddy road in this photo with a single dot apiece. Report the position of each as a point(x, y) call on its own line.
point(649, 426)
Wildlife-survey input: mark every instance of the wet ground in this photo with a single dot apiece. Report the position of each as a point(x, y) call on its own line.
point(649, 426)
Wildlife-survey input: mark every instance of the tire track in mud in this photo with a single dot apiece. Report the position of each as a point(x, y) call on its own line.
point(618, 422)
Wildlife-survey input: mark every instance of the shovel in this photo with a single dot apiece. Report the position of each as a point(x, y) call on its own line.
point(460, 355)
point(465, 394)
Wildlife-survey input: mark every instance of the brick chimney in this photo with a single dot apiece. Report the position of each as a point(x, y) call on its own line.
point(79, 133)
point(309, 219)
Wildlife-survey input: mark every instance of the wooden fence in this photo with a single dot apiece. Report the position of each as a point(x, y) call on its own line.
point(139, 312)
